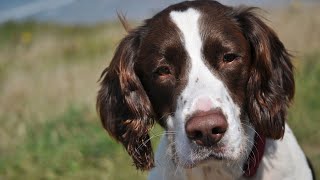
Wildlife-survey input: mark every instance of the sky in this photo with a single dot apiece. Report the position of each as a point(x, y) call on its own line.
point(93, 11)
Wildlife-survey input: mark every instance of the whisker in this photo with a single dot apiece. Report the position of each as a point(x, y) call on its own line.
point(166, 114)
point(253, 130)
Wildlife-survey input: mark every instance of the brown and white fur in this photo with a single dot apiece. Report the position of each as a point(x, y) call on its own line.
point(213, 77)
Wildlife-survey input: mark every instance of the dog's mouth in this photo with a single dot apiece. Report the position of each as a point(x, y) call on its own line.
point(198, 162)
point(204, 155)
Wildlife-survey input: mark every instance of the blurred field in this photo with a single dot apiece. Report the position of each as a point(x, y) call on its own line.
point(48, 82)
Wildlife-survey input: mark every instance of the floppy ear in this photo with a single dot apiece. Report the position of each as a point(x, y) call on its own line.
point(270, 86)
point(123, 106)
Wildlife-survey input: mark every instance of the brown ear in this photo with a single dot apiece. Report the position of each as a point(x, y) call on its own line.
point(271, 85)
point(123, 105)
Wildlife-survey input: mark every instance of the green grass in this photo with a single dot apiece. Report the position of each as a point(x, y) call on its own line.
point(48, 83)
point(69, 146)
point(305, 110)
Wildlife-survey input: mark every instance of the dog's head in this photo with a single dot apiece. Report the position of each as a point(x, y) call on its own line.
point(211, 75)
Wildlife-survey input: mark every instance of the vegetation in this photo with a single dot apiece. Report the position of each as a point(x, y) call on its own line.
point(48, 83)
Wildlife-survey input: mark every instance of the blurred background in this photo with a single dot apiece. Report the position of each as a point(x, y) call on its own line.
point(52, 53)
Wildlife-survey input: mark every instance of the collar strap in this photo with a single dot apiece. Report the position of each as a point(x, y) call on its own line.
point(252, 164)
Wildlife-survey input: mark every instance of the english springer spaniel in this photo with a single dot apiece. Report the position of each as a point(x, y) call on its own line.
point(219, 81)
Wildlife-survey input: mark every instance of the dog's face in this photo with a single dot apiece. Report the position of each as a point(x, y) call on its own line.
point(211, 75)
point(196, 62)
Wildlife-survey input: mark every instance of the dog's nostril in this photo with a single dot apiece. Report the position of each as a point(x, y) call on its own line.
point(195, 135)
point(218, 130)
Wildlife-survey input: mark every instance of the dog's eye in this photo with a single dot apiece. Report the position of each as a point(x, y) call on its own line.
point(230, 57)
point(163, 71)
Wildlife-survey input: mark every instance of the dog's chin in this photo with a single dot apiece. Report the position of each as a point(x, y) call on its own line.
point(205, 156)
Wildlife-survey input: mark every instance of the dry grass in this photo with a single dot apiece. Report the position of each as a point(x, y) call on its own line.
point(298, 27)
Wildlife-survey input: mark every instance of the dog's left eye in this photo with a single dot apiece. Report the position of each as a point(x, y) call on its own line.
point(163, 71)
point(230, 57)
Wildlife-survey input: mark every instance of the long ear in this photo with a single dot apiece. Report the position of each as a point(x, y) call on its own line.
point(123, 106)
point(271, 85)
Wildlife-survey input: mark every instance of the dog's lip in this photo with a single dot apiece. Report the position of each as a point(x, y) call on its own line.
point(217, 154)
point(219, 148)
point(202, 161)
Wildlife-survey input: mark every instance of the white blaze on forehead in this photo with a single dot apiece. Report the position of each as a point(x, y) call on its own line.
point(187, 22)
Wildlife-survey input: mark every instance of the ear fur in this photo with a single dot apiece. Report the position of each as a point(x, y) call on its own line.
point(124, 108)
point(271, 84)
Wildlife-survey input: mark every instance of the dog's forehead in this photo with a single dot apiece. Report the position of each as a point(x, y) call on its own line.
point(212, 18)
point(167, 30)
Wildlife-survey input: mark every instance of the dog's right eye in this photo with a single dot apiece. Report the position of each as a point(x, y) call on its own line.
point(162, 71)
point(230, 57)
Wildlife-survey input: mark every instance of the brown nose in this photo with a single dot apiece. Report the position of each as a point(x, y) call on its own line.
point(206, 128)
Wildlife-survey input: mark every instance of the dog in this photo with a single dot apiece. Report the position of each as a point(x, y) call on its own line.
point(219, 81)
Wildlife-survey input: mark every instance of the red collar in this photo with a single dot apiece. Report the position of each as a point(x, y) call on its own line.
point(253, 161)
